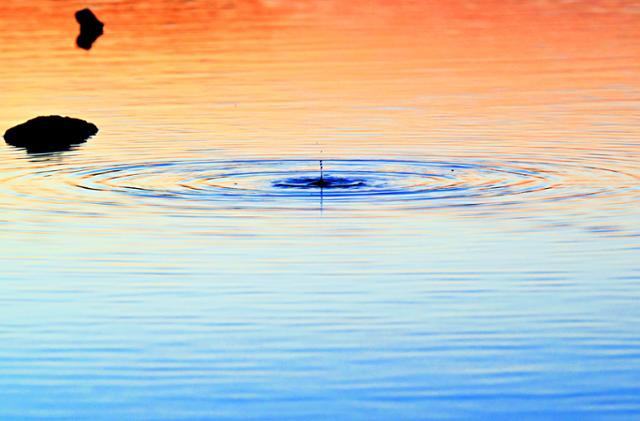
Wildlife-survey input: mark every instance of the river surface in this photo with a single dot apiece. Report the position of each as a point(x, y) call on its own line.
point(473, 251)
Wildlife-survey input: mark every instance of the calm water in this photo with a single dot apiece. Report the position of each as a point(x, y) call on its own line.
point(481, 260)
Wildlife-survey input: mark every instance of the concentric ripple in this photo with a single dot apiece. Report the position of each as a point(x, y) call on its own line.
point(295, 183)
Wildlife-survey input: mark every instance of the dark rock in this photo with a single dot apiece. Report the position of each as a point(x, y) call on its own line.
point(50, 133)
point(90, 28)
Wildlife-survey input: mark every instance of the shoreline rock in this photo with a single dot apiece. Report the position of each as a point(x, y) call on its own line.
point(90, 28)
point(50, 133)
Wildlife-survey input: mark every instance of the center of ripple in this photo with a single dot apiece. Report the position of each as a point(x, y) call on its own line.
point(326, 182)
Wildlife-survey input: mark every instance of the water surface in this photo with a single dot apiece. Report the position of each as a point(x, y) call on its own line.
point(478, 260)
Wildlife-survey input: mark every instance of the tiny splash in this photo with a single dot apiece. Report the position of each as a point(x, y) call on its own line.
point(320, 182)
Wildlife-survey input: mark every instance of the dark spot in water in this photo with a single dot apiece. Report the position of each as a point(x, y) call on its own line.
point(49, 133)
point(90, 28)
point(326, 182)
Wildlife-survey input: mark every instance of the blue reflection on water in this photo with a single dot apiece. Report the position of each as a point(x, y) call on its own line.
point(479, 260)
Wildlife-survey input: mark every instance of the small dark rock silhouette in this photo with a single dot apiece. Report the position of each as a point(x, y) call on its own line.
point(90, 28)
point(50, 133)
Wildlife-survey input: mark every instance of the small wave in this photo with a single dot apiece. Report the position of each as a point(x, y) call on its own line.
point(294, 183)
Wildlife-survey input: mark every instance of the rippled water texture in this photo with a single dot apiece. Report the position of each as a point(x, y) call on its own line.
point(470, 247)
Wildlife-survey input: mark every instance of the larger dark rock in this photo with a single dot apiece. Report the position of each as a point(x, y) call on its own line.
point(50, 133)
point(90, 28)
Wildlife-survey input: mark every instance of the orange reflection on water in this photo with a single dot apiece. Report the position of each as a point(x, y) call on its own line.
point(283, 77)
